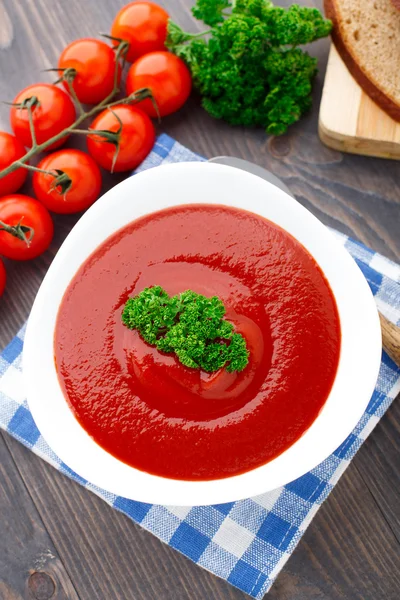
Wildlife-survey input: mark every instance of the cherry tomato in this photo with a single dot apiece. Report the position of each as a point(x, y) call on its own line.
point(85, 176)
point(168, 78)
point(11, 149)
point(95, 65)
point(16, 212)
point(136, 139)
point(54, 113)
point(143, 25)
point(3, 277)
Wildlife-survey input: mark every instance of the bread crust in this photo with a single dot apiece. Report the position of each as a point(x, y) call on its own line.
point(377, 95)
point(396, 4)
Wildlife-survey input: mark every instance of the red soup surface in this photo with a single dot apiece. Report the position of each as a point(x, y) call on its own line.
point(146, 408)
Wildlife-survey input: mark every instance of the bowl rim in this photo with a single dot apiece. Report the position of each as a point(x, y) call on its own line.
point(360, 354)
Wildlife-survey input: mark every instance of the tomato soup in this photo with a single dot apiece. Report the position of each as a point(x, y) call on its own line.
point(153, 413)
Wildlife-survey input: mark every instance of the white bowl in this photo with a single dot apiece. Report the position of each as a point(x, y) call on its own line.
point(160, 188)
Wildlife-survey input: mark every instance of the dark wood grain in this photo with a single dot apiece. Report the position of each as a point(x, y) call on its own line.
point(29, 562)
point(379, 465)
point(351, 550)
point(370, 552)
point(108, 556)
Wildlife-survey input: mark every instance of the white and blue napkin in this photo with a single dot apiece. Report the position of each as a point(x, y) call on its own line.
point(248, 542)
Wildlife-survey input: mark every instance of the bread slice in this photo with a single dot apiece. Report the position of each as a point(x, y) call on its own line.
point(366, 34)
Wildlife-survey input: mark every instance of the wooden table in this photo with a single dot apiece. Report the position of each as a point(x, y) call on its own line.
point(57, 540)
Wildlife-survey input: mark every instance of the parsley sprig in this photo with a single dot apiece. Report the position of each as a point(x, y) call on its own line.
point(249, 68)
point(190, 325)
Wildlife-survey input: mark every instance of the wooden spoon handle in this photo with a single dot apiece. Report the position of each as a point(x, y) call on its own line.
point(390, 339)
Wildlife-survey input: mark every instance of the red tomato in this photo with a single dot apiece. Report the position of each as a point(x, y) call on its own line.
point(95, 65)
point(11, 149)
point(168, 78)
point(85, 176)
point(55, 112)
point(143, 25)
point(18, 211)
point(136, 141)
point(2, 277)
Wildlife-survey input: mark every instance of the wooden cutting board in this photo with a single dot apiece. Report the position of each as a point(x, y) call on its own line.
point(349, 120)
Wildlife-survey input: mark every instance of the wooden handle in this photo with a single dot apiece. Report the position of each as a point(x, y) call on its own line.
point(390, 339)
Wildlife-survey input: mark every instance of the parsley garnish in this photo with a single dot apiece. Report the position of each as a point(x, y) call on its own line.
point(190, 325)
point(248, 67)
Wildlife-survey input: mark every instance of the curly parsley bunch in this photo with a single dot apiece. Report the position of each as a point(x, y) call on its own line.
point(190, 325)
point(249, 70)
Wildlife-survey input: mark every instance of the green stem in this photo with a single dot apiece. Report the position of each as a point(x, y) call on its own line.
point(68, 76)
point(137, 96)
point(191, 36)
point(196, 35)
point(108, 136)
point(75, 97)
point(32, 126)
point(81, 131)
point(19, 231)
point(122, 49)
point(36, 169)
point(36, 148)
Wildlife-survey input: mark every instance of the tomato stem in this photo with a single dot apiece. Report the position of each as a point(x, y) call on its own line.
point(19, 231)
point(121, 52)
point(112, 37)
point(32, 127)
point(81, 131)
point(61, 183)
point(133, 98)
point(110, 137)
point(117, 139)
point(75, 97)
point(68, 76)
point(32, 168)
point(29, 103)
point(121, 49)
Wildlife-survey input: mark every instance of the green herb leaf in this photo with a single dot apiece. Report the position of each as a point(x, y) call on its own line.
point(190, 325)
point(250, 70)
point(176, 35)
point(210, 11)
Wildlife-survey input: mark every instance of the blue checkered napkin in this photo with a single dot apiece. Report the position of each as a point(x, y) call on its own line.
point(247, 542)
